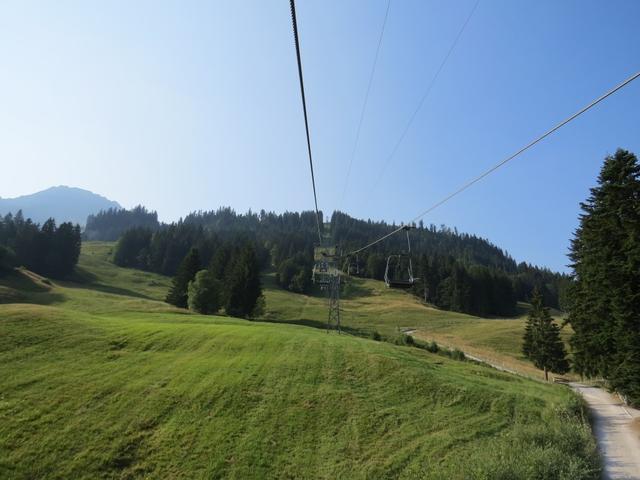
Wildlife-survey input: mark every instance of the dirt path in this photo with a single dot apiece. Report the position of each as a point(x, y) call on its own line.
point(619, 443)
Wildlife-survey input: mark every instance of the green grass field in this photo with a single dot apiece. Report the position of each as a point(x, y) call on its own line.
point(100, 379)
point(369, 306)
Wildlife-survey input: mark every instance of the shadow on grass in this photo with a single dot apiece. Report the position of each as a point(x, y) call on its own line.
point(319, 325)
point(351, 287)
point(84, 279)
point(18, 286)
point(21, 280)
point(40, 298)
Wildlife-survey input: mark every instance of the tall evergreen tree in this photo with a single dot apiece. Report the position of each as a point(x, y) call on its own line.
point(605, 296)
point(244, 288)
point(179, 291)
point(542, 343)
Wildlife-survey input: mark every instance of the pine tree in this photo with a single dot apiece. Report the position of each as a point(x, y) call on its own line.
point(244, 288)
point(178, 293)
point(605, 296)
point(542, 343)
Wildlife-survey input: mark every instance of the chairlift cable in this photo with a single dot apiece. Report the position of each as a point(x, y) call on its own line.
point(421, 101)
point(304, 109)
point(364, 104)
point(505, 161)
point(426, 94)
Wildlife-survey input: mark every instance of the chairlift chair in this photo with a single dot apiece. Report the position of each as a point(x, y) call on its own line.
point(353, 267)
point(324, 267)
point(396, 263)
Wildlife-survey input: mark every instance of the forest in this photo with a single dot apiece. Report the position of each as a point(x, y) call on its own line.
point(109, 225)
point(49, 250)
point(456, 271)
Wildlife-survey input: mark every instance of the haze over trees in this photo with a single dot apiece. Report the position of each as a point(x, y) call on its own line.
point(110, 224)
point(458, 272)
point(48, 249)
point(605, 298)
point(215, 273)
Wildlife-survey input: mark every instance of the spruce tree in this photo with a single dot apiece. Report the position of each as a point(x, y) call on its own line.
point(605, 295)
point(542, 343)
point(243, 282)
point(178, 293)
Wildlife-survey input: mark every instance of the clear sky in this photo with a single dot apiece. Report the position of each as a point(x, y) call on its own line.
point(188, 105)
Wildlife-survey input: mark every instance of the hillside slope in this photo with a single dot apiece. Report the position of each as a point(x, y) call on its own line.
point(100, 379)
point(369, 306)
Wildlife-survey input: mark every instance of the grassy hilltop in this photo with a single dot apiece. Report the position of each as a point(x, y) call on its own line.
point(100, 379)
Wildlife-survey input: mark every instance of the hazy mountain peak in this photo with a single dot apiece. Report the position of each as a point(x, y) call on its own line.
point(63, 203)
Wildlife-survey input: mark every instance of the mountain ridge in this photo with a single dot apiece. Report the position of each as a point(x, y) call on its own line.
point(62, 202)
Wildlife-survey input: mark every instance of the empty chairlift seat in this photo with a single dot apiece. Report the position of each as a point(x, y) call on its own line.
point(399, 270)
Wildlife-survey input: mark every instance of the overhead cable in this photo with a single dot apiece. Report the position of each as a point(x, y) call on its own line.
point(364, 104)
point(304, 109)
point(506, 160)
point(426, 94)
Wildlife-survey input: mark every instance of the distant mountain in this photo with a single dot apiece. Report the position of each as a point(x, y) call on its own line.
point(64, 204)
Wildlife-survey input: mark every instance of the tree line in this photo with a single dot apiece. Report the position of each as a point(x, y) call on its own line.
point(49, 250)
point(479, 290)
point(457, 271)
point(210, 270)
point(109, 225)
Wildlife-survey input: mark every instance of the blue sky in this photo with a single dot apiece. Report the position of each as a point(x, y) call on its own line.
point(188, 105)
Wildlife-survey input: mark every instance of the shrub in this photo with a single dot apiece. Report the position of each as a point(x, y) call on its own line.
point(7, 259)
point(432, 347)
point(458, 355)
point(402, 339)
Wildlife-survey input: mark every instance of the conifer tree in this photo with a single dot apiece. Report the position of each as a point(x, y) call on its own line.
point(542, 343)
point(178, 293)
point(244, 288)
point(605, 296)
point(204, 293)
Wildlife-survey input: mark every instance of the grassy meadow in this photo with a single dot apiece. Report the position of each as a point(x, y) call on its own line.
point(369, 306)
point(100, 379)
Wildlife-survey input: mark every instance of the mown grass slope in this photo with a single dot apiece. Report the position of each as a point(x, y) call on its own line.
point(99, 383)
point(368, 305)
